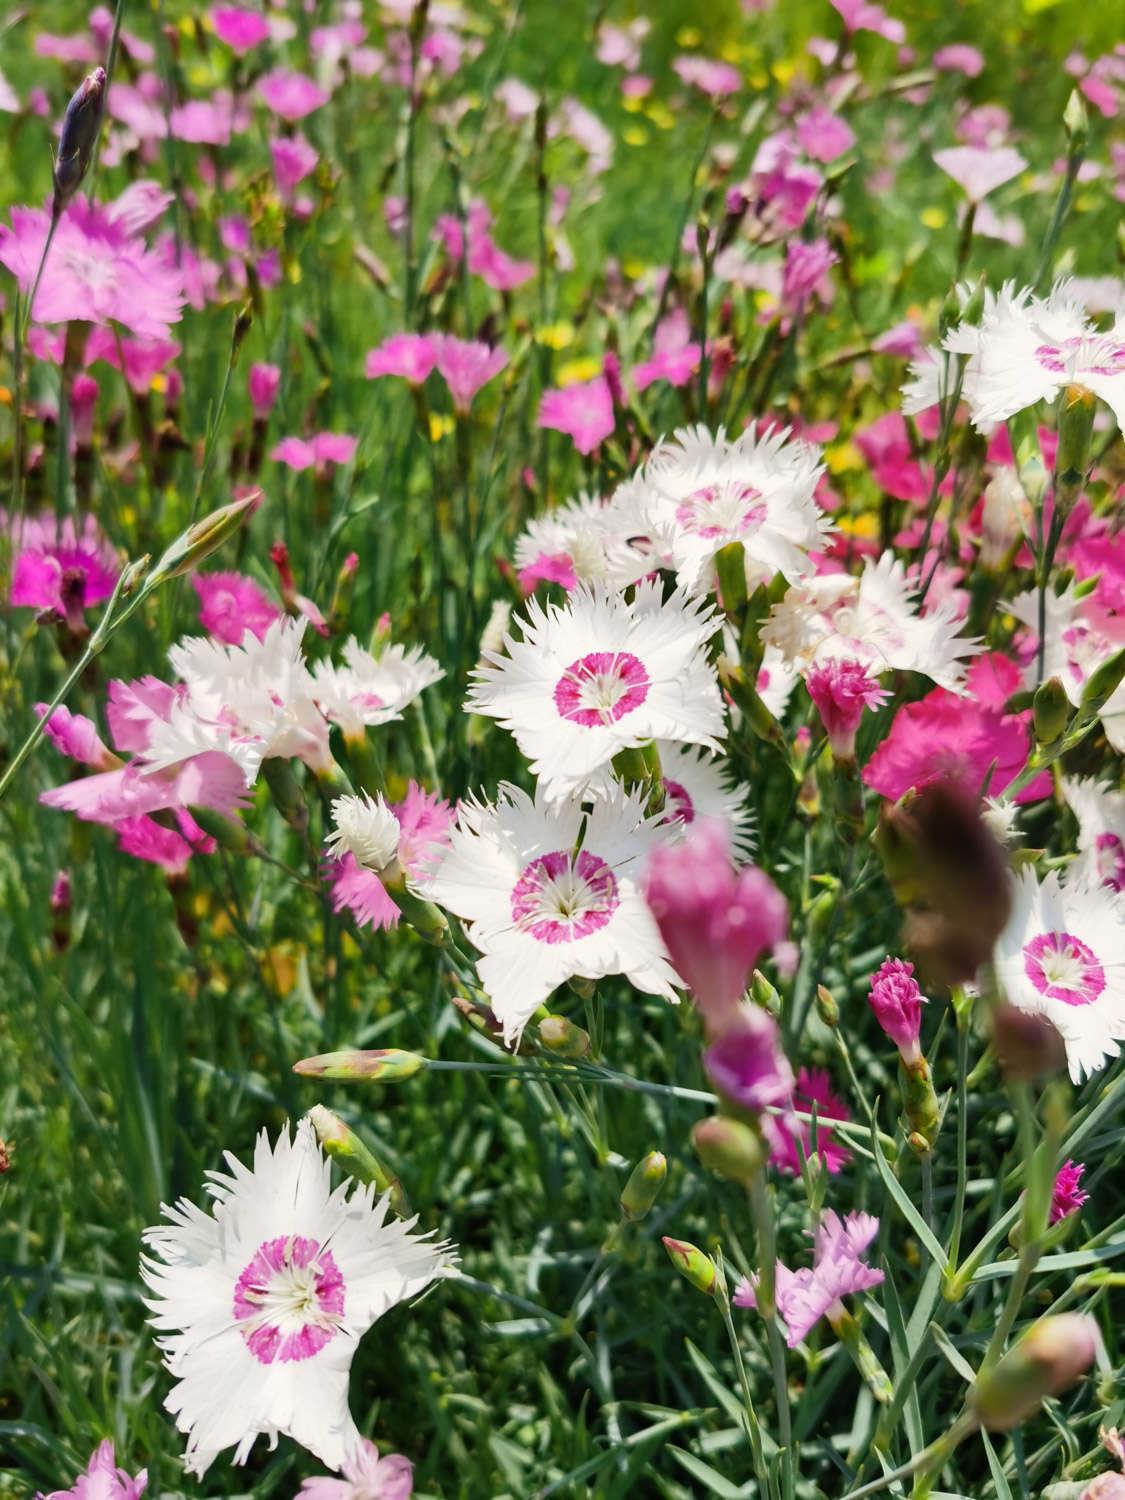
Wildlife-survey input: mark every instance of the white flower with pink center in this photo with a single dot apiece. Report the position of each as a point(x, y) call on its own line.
point(1081, 636)
point(549, 892)
point(700, 491)
point(1062, 956)
point(367, 690)
point(698, 786)
point(1028, 348)
point(259, 1304)
point(1100, 811)
point(872, 620)
point(599, 675)
point(598, 542)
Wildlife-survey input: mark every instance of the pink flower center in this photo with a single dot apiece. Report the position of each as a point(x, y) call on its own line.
point(678, 806)
point(1062, 967)
point(1083, 355)
point(289, 1299)
point(725, 509)
point(563, 896)
point(601, 688)
point(1109, 857)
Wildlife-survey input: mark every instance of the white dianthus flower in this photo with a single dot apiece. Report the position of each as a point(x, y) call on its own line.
point(366, 828)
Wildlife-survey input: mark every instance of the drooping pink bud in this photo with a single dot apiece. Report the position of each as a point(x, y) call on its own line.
point(747, 1063)
point(1067, 1196)
point(897, 1002)
point(716, 922)
point(841, 691)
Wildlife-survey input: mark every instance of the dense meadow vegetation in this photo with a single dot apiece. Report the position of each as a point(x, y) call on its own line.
point(561, 728)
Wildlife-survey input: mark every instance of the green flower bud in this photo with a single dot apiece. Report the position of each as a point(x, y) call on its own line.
point(1101, 685)
point(1076, 428)
point(693, 1265)
point(204, 537)
point(286, 792)
point(919, 1103)
point(644, 1185)
point(1077, 123)
point(380, 1065)
point(1051, 711)
point(826, 1007)
point(730, 564)
point(563, 1038)
point(729, 1148)
point(763, 993)
point(342, 1144)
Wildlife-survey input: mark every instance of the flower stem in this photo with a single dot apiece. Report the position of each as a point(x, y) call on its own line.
point(765, 1293)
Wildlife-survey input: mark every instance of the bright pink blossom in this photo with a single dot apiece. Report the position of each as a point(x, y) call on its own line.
point(548, 567)
point(1067, 1196)
point(62, 567)
point(320, 451)
point(885, 444)
point(465, 365)
point(747, 1064)
point(409, 355)
point(838, 1269)
point(366, 1477)
point(584, 411)
point(290, 95)
point(424, 821)
point(103, 1480)
point(860, 15)
point(897, 1002)
point(293, 160)
point(790, 1139)
point(823, 135)
point(716, 922)
point(133, 707)
point(806, 263)
point(263, 382)
point(959, 57)
point(241, 29)
point(210, 780)
point(842, 690)
point(230, 604)
point(77, 737)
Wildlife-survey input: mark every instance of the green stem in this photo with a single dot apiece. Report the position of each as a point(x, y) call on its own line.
point(765, 1293)
point(753, 1427)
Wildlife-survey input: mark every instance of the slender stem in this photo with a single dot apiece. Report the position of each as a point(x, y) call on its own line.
point(765, 1293)
point(962, 1140)
point(753, 1427)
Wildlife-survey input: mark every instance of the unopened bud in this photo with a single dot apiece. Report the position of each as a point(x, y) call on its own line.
point(1050, 1356)
point(340, 607)
point(1101, 685)
point(379, 1065)
point(1051, 711)
point(206, 536)
point(729, 1148)
point(693, 1265)
point(563, 1038)
point(79, 134)
point(730, 564)
point(643, 1188)
point(286, 792)
point(826, 1007)
point(230, 835)
point(763, 993)
point(919, 1103)
point(1077, 123)
point(1076, 428)
point(820, 914)
point(341, 1143)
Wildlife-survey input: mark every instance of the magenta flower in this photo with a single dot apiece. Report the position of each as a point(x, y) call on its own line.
point(548, 567)
point(897, 1002)
point(409, 355)
point(366, 1477)
point(789, 1138)
point(860, 15)
point(747, 1064)
point(1067, 1196)
point(96, 272)
point(103, 1480)
point(293, 160)
point(290, 95)
point(424, 821)
point(211, 779)
point(583, 411)
point(324, 449)
point(230, 604)
point(77, 737)
point(716, 923)
point(885, 444)
point(241, 29)
point(806, 263)
point(466, 365)
point(842, 690)
point(139, 360)
point(62, 567)
point(264, 382)
point(838, 1269)
point(675, 357)
point(823, 135)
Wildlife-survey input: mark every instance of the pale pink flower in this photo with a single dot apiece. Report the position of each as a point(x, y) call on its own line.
point(103, 1480)
point(241, 30)
point(320, 451)
point(978, 170)
point(67, 49)
point(139, 360)
point(230, 604)
point(806, 265)
point(716, 922)
point(96, 272)
point(61, 566)
point(959, 57)
point(263, 382)
point(211, 780)
point(897, 1002)
point(903, 341)
point(823, 135)
point(207, 122)
point(409, 355)
point(842, 690)
point(465, 365)
point(860, 15)
point(1067, 1196)
point(838, 1269)
point(715, 79)
point(290, 95)
point(293, 160)
point(584, 411)
point(366, 1477)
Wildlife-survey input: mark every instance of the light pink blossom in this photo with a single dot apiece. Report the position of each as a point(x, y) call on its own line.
point(584, 411)
point(290, 95)
point(293, 160)
point(409, 355)
point(823, 135)
point(320, 451)
point(838, 1269)
point(977, 170)
point(465, 365)
point(366, 1477)
point(424, 821)
point(263, 382)
point(103, 1480)
point(790, 1139)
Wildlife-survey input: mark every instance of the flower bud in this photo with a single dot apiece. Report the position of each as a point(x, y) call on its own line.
point(1076, 428)
point(826, 1007)
point(563, 1038)
point(204, 537)
point(342, 1144)
point(729, 1148)
point(1051, 711)
point(80, 127)
point(1048, 1358)
point(763, 993)
point(1101, 685)
point(897, 1002)
point(379, 1065)
point(1076, 121)
point(693, 1265)
point(644, 1185)
point(286, 792)
point(730, 565)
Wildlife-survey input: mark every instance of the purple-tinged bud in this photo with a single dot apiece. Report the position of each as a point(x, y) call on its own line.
point(747, 1064)
point(60, 911)
point(1027, 1046)
point(729, 1148)
point(80, 127)
point(826, 1007)
point(1052, 1355)
point(897, 1002)
point(643, 1188)
point(378, 1065)
point(264, 382)
point(716, 922)
point(842, 690)
point(693, 1265)
point(1067, 1196)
